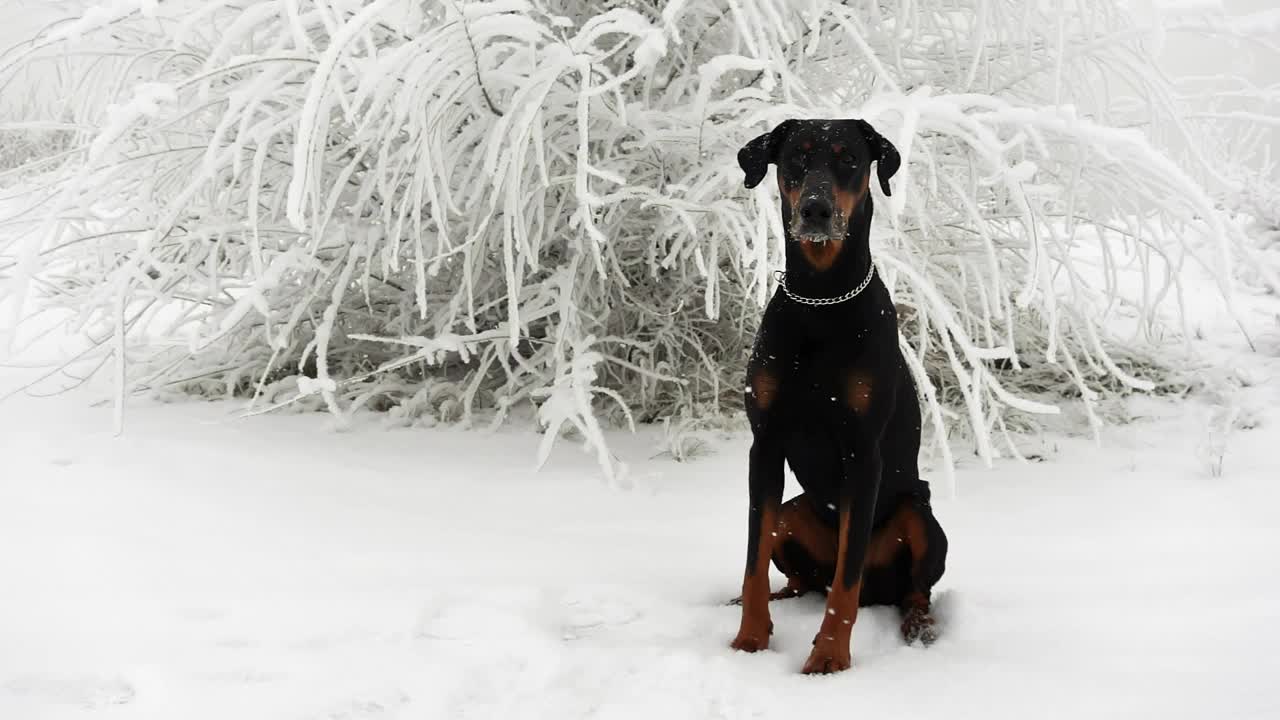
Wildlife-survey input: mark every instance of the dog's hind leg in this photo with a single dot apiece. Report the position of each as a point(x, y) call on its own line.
point(805, 550)
point(928, 547)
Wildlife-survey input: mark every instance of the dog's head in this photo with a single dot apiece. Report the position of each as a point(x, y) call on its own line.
point(824, 167)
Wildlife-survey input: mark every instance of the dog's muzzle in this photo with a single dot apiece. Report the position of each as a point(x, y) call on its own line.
point(815, 219)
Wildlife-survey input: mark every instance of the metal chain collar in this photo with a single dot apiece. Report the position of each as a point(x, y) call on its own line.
point(782, 278)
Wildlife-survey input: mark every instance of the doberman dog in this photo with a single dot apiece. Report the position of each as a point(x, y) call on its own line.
point(828, 392)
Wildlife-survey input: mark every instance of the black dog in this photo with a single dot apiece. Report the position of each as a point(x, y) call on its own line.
point(828, 392)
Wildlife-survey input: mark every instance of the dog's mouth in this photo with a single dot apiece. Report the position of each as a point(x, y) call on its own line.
point(805, 232)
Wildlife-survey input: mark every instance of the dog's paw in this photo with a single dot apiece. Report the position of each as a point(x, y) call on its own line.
point(919, 625)
point(786, 593)
point(751, 639)
point(826, 658)
point(750, 643)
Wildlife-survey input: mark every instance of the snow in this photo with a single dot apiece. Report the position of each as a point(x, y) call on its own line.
point(311, 386)
point(148, 100)
point(100, 15)
point(207, 566)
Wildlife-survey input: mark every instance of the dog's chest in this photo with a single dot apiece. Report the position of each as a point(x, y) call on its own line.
point(815, 379)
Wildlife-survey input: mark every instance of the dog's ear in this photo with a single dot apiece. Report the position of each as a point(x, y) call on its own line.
point(755, 156)
point(882, 151)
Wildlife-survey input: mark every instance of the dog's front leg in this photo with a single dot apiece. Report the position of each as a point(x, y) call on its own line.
point(765, 491)
point(858, 490)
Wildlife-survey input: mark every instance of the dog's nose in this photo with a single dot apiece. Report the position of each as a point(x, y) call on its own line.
point(815, 209)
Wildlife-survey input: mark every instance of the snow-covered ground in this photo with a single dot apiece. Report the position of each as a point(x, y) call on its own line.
point(203, 566)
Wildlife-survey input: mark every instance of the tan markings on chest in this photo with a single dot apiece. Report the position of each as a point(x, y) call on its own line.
point(857, 392)
point(764, 389)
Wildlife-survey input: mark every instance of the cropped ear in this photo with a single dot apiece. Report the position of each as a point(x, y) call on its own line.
point(883, 152)
point(755, 156)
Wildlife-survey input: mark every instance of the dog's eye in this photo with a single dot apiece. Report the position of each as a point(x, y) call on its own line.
point(847, 161)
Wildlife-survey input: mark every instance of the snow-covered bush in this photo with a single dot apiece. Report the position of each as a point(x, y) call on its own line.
point(473, 206)
point(19, 148)
point(1233, 104)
